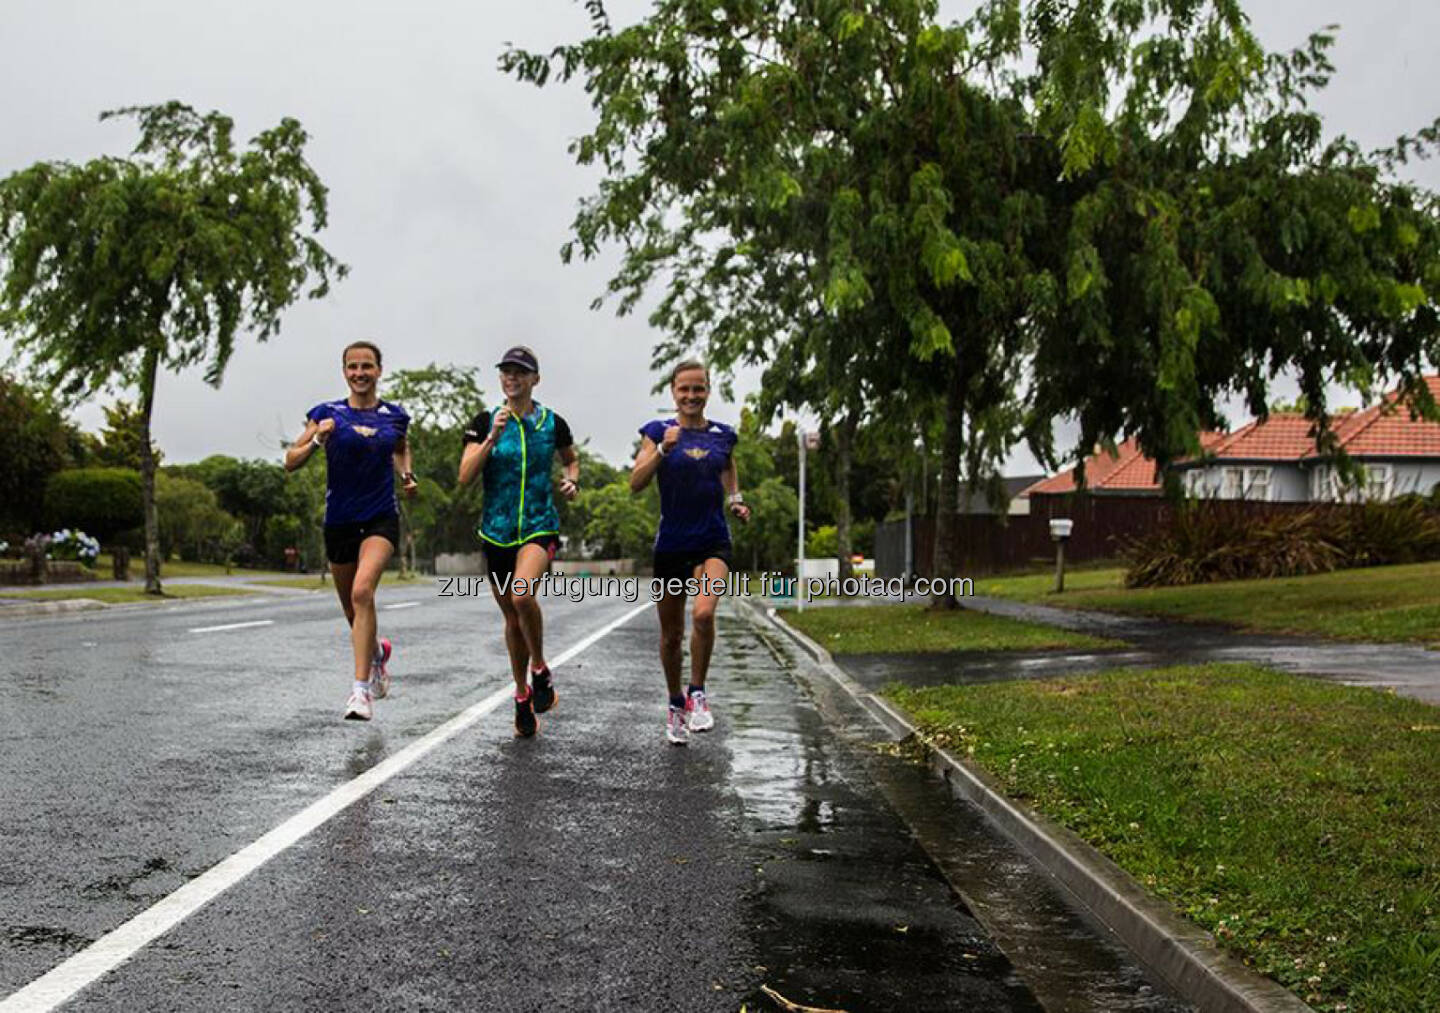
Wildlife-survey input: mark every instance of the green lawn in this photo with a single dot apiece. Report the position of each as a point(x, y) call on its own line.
point(874, 629)
point(122, 595)
point(1297, 820)
point(175, 568)
point(313, 580)
point(1386, 603)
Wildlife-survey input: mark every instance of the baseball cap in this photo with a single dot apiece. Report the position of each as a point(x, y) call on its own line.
point(522, 357)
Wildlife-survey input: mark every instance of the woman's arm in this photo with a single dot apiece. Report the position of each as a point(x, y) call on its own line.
point(405, 467)
point(570, 469)
point(730, 482)
point(314, 437)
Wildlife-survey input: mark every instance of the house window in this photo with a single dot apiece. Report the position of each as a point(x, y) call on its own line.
point(1195, 482)
point(1322, 484)
point(1378, 482)
point(1257, 484)
point(1232, 483)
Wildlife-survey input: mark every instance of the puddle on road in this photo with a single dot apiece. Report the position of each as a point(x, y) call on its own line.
point(820, 810)
point(826, 930)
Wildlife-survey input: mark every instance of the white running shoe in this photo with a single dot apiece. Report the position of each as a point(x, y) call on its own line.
point(358, 707)
point(379, 674)
point(697, 707)
point(675, 729)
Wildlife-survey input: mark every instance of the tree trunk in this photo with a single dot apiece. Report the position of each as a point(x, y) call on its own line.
point(147, 470)
point(120, 562)
point(844, 445)
point(949, 497)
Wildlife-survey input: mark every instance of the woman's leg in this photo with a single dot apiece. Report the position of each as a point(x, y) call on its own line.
point(712, 575)
point(514, 638)
point(531, 562)
point(375, 552)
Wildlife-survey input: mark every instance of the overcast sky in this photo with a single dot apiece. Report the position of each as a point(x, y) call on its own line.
point(451, 189)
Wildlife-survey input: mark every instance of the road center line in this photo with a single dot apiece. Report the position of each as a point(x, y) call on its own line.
point(62, 982)
point(401, 605)
point(233, 626)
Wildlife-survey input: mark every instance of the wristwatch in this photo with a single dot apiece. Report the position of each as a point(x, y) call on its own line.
point(407, 476)
point(736, 499)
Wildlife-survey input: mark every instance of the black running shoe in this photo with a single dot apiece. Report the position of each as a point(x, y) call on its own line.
point(542, 690)
point(525, 723)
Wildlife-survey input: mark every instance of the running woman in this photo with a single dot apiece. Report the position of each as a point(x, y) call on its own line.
point(364, 442)
point(512, 449)
point(698, 480)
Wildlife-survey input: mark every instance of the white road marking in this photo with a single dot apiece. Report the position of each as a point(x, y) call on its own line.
point(62, 982)
point(401, 605)
point(233, 626)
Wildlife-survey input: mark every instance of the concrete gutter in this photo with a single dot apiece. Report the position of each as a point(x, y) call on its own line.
point(1175, 950)
point(49, 608)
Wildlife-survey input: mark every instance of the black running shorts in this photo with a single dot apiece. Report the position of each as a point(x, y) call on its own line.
point(342, 541)
point(682, 564)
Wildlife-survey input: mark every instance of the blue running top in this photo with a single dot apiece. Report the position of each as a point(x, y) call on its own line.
point(359, 461)
point(692, 500)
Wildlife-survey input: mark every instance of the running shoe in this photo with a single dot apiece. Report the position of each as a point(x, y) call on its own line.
point(379, 674)
point(525, 723)
point(676, 731)
point(697, 710)
point(358, 707)
point(542, 690)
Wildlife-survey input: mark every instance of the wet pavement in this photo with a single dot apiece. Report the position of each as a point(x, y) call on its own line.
point(1409, 670)
point(594, 867)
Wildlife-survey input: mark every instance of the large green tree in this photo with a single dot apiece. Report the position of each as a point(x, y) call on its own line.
point(117, 267)
point(1117, 211)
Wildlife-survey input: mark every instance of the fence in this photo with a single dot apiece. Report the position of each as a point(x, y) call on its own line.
point(997, 544)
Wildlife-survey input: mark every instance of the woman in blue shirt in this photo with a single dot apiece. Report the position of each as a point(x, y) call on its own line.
point(696, 472)
point(364, 442)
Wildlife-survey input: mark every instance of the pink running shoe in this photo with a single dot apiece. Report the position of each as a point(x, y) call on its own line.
point(697, 711)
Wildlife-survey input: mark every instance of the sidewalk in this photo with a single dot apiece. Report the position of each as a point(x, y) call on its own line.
point(1406, 669)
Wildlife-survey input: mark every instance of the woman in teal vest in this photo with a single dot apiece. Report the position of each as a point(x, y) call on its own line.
point(512, 451)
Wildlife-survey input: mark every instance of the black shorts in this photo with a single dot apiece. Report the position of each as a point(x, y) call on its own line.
point(669, 565)
point(342, 541)
point(500, 559)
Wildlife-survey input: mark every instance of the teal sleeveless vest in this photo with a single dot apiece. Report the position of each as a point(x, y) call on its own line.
point(518, 502)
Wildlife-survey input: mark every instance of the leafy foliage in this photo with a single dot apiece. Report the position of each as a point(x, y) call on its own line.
point(1213, 541)
point(102, 501)
point(116, 267)
point(35, 442)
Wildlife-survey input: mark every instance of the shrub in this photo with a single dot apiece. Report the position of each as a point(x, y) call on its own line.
point(103, 501)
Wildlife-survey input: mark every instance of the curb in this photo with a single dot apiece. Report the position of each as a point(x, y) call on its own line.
point(1182, 954)
point(50, 608)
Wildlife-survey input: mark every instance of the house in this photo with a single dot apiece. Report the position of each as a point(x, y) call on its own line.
point(974, 501)
point(1275, 460)
point(1125, 472)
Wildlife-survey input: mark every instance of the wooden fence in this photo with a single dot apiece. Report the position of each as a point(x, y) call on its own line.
point(998, 544)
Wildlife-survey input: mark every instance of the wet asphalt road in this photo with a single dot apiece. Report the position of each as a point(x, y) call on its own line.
point(592, 868)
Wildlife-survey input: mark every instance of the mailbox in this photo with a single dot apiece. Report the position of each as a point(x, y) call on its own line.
point(1060, 528)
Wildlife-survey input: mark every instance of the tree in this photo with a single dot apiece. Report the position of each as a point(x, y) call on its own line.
point(121, 440)
point(118, 266)
point(620, 523)
point(35, 442)
point(191, 521)
point(1117, 212)
point(441, 400)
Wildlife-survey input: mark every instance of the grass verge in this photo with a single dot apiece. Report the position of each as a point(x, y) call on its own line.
point(1297, 820)
point(1378, 603)
point(313, 581)
point(124, 595)
point(885, 629)
point(177, 568)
